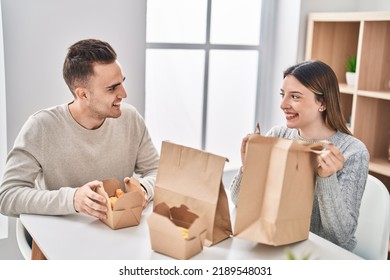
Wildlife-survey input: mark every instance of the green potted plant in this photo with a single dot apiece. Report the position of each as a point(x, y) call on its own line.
point(350, 67)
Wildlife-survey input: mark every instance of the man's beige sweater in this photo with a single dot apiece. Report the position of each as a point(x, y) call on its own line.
point(53, 155)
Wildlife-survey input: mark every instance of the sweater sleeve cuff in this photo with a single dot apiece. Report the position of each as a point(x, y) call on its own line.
point(148, 188)
point(235, 187)
point(70, 200)
point(328, 184)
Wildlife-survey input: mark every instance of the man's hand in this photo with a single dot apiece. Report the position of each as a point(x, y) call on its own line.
point(87, 201)
point(134, 184)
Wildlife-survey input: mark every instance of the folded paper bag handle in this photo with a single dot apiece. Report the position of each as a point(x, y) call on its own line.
point(257, 129)
point(316, 148)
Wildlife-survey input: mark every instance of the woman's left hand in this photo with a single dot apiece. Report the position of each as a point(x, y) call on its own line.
point(330, 160)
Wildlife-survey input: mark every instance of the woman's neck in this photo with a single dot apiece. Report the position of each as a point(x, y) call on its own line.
point(318, 133)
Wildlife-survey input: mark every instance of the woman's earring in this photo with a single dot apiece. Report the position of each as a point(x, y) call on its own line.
point(321, 109)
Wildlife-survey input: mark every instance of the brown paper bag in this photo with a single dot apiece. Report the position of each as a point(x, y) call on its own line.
point(194, 178)
point(277, 190)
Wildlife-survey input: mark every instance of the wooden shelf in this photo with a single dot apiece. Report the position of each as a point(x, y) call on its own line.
point(347, 89)
point(385, 95)
point(380, 166)
point(332, 38)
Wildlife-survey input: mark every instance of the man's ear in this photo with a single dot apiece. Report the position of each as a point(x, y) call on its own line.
point(81, 93)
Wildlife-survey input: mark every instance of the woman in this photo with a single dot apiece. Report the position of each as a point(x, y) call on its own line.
point(311, 104)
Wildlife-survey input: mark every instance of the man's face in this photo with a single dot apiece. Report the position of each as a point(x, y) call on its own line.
point(106, 91)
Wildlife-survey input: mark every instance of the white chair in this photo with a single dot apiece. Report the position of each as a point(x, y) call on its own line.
point(373, 231)
point(24, 240)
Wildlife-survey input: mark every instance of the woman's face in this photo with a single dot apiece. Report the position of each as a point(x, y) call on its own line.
point(300, 107)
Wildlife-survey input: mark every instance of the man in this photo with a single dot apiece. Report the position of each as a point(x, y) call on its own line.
point(62, 154)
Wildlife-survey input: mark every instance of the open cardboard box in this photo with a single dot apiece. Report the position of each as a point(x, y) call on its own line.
point(127, 209)
point(167, 238)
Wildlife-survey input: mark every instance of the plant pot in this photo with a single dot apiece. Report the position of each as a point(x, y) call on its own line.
point(351, 78)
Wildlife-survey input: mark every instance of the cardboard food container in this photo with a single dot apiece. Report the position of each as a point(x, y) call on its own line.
point(127, 209)
point(166, 238)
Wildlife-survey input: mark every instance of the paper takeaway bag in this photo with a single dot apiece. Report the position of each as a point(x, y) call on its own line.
point(194, 178)
point(277, 190)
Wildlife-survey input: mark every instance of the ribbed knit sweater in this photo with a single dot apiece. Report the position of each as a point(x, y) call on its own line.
point(337, 198)
point(53, 154)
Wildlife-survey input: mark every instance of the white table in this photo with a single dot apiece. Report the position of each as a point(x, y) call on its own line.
point(80, 237)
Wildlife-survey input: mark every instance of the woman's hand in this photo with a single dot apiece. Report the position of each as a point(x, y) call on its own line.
point(330, 160)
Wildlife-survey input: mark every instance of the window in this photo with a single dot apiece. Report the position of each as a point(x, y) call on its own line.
point(202, 69)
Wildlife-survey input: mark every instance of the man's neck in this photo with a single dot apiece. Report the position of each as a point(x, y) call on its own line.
point(83, 116)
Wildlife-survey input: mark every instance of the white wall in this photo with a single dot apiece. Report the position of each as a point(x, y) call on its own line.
point(36, 37)
point(286, 24)
point(374, 5)
point(3, 128)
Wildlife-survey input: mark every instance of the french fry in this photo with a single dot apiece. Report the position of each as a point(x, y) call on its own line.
point(113, 199)
point(118, 193)
point(184, 231)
